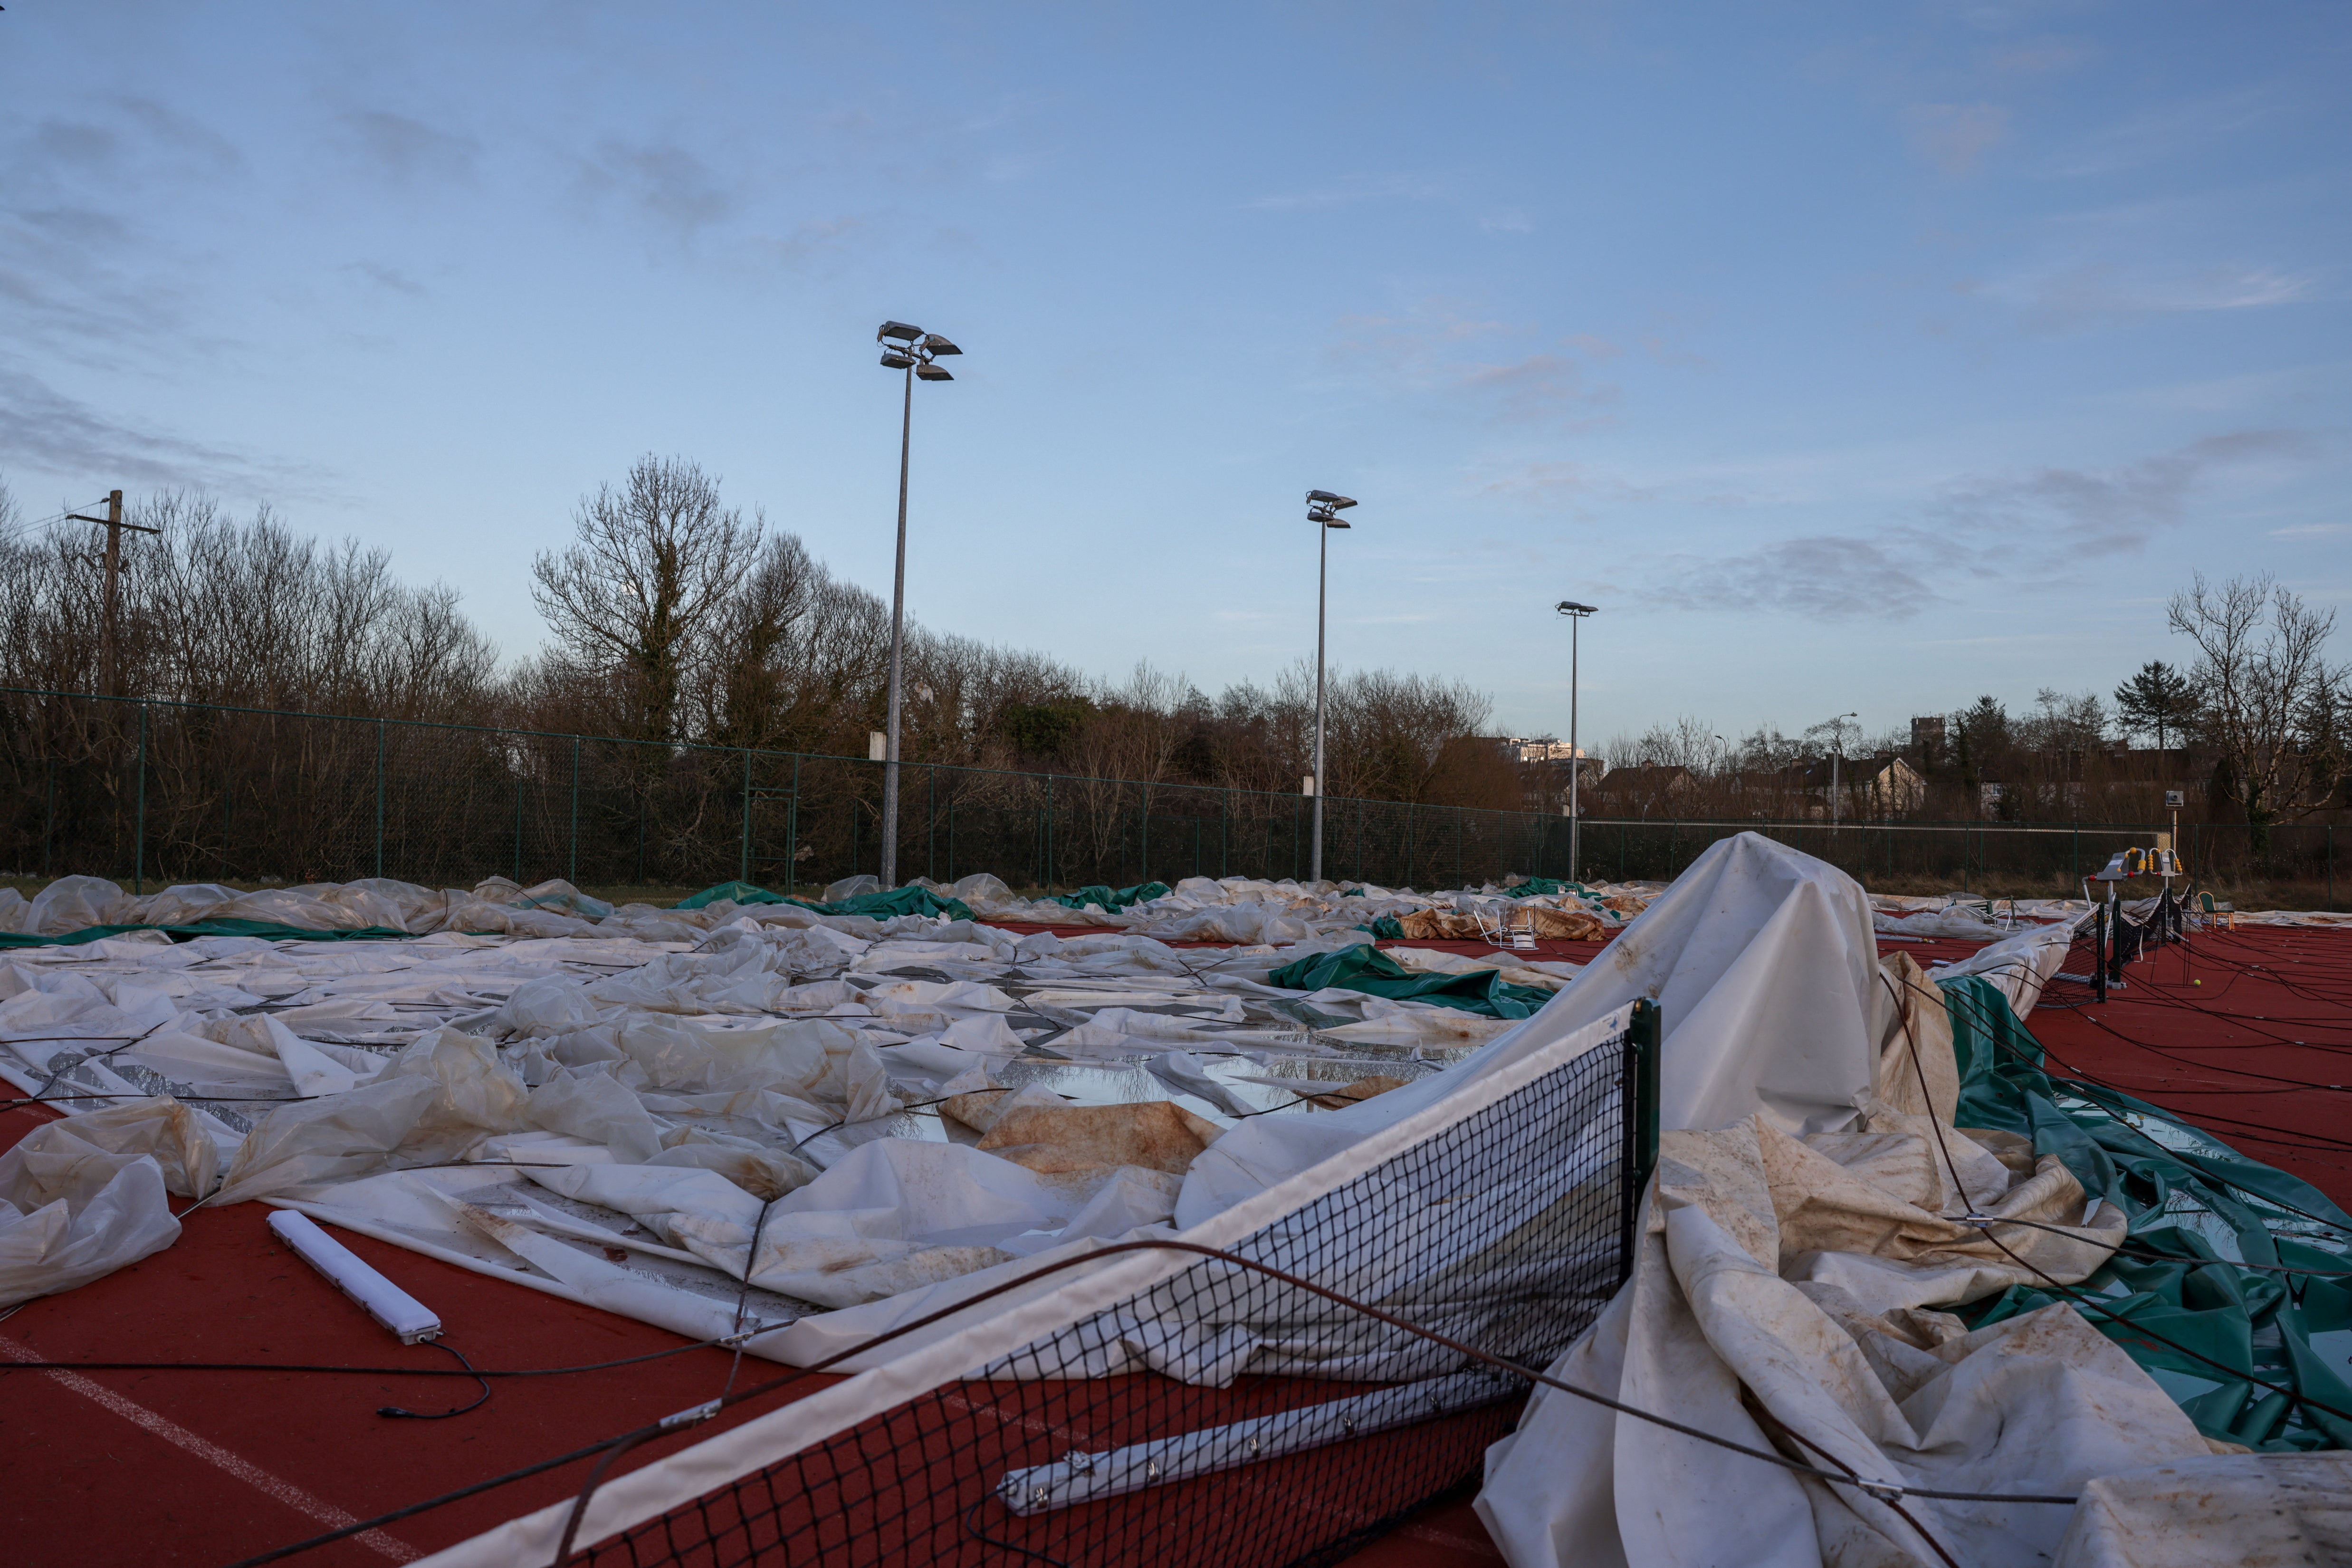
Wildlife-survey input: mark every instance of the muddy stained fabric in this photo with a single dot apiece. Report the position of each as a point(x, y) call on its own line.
point(2251, 1510)
point(1157, 1135)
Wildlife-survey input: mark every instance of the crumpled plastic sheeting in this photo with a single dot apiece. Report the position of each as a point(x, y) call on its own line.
point(751, 1048)
point(78, 1201)
point(1249, 910)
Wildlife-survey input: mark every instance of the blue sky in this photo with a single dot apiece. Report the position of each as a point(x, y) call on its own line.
point(1857, 356)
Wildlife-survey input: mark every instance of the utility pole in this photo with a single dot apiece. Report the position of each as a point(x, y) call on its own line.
point(114, 525)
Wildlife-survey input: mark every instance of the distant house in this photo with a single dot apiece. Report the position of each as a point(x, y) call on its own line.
point(1645, 790)
point(1884, 786)
point(1879, 786)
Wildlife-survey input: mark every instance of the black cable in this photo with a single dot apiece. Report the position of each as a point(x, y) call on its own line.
point(455, 1410)
point(6, 1365)
point(971, 1528)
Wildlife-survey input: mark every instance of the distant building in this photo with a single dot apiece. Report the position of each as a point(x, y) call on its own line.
point(1927, 736)
point(1644, 790)
point(1544, 749)
point(1884, 786)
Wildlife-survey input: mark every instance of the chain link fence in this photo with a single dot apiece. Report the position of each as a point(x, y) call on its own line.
point(156, 792)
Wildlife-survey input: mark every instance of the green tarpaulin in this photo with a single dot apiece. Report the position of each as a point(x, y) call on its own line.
point(1385, 929)
point(263, 929)
point(907, 900)
point(1367, 969)
point(2202, 1210)
point(1544, 887)
point(1105, 897)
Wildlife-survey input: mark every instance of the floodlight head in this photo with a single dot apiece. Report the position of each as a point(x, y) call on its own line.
point(940, 346)
point(895, 360)
point(896, 331)
point(1326, 498)
point(1570, 607)
point(931, 373)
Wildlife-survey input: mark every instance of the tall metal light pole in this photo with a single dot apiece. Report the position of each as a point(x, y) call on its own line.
point(1322, 508)
point(910, 349)
point(1575, 614)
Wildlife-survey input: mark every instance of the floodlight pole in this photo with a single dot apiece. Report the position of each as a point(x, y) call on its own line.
point(898, 651)
point(912, 350)
point(1575, 614)
point(1323, 510)
point(1322, 593)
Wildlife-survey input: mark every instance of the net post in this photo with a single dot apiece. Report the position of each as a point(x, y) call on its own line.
point(1640, 1094)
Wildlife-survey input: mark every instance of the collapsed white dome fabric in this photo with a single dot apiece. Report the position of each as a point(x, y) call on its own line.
point(1765, 964)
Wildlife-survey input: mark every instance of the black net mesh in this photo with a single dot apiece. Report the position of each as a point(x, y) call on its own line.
point(1223, 1415)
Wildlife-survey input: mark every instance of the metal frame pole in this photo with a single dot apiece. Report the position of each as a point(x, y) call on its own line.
point(898, 651)
point(1322, 593)
point(1575, 752)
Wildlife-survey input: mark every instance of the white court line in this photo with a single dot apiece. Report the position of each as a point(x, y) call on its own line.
point(213, 1454)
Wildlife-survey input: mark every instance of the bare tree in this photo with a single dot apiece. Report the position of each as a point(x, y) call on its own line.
point(2260, 677)
point(653, 569)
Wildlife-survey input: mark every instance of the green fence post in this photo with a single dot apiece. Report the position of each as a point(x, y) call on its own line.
point(931, 825)
point(379, 798)
point(2331, 865)
point(573, 863)
point(793, 831)
point(744, 873)
point(518, 870)
point(1638, 1092)
point(1224, 815)
point(139, 826)
point(1409, 844)
point(1049, 831)
point(1461, 876)
point(49, 828)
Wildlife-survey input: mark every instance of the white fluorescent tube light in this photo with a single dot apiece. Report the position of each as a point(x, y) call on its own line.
point(386, 1302)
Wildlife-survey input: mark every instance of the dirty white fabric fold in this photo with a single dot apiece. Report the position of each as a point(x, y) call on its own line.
point(2254, 1511)
point(1786, 1295)
point(1764, 964)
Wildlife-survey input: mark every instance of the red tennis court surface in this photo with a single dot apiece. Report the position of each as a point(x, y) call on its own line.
point(2247, 1034)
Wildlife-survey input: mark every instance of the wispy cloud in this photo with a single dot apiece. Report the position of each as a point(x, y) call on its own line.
point(1437, 348)
point(662, 180)
point(45, 430)
point(408, 151)
point(1360, 188)
point(1955, 139)
point(391, 278)
point(2084, 511)
point(1826, 576)
point(2312, 531)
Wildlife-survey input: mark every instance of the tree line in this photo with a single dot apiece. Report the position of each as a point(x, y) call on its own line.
point(676, 618)
point(2254, 726)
